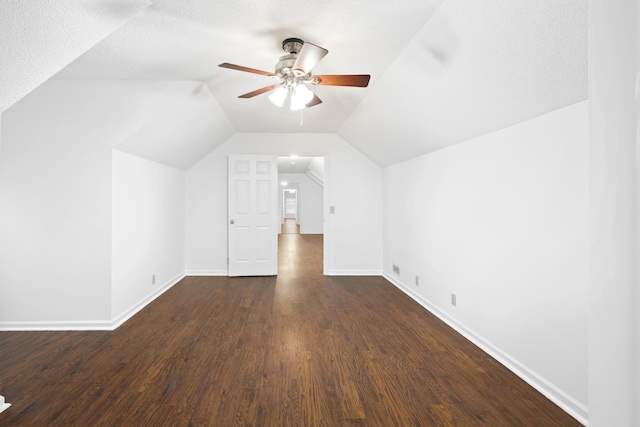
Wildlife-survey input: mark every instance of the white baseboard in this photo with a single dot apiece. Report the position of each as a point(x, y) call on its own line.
point(57, 325)
point(146, 301)
point(353, 273)
point(206, 273)
point(328, 273)
point(567, 403)
point(89, 325)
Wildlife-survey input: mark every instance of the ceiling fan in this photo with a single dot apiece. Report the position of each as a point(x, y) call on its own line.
point(294, 72)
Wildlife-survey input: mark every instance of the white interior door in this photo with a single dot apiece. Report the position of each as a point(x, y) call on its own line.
point(253, 215)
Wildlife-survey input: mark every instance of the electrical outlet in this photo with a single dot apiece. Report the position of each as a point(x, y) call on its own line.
point(153, 279)
point(396, 269)
point(453, 299)
point(332, 209)
point(417, 281)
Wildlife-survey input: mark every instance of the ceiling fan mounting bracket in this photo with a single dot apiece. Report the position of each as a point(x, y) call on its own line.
point(292, 45)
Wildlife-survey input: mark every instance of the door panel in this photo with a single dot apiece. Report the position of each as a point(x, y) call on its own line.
point(243, 244)
point(253, 216)
point(264, 197)
point(243, 197)
point(264, 244)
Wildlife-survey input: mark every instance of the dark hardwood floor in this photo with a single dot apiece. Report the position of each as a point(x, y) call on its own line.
point(297, 350)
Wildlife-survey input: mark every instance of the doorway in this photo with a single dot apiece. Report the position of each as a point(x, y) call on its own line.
point(290, 223)
point(290, 203)
point(303, 211)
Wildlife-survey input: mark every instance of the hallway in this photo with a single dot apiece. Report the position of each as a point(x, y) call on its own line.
point(290, 227)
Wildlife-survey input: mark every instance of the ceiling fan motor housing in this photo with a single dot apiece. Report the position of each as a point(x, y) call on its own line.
point(284, 65)
point(292, 46)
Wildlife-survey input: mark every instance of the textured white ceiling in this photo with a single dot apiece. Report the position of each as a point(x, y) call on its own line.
point(178, 40)
point(38, 39)
point(180, 124)
point(442, 72)
point(475, 67)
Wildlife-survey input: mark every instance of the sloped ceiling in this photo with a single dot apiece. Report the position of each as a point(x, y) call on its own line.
point(38, 39)
point(180, 127)
point(474, 67)
point(293, 164)
point(442, 72)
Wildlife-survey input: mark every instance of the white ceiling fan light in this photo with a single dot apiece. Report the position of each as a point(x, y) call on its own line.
point(300, 97)
point(294, 97)
point(278, 96)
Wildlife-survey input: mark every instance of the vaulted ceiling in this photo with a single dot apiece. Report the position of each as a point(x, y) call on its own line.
point(442, 71)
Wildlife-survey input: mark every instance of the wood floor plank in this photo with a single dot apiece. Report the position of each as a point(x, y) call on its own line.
point(299, 349)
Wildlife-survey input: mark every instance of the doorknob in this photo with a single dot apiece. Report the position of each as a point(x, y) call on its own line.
point(232, 222)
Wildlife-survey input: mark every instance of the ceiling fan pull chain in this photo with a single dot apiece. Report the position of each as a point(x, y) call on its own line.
point(301, 117)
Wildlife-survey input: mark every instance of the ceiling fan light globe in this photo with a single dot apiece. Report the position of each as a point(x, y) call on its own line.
point(304, 93)
point(278, 96)
point(296, 103)
point(300, 97)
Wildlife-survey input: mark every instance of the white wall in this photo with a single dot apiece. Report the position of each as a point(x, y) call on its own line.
point(310, 202)
point(353, 236)
point(614, 319)
point(55, 208)
point(56, 203)
point(501, 221)
point(148, 231)
point(315, 170)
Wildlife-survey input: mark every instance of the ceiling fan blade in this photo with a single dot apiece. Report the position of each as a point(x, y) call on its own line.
point(356, 80)
point(247, 69)
point(314, 101)
point(309, 56)
point(259, 91)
